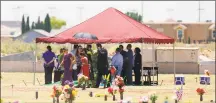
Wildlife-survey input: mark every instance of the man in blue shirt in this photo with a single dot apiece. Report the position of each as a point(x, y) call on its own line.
point(117, 61)
point(49, 58)
point(73, 52)
point(128, 70)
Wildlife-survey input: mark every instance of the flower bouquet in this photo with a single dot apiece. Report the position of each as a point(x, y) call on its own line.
point(106, 79)
point(112, 91)
point(153, 97)
point(120, 83)
point(200, 91)
point(56, 93)
point(82, 80)
point(178, 94)
point(68, 94)
point(207, 73)
point(144, 99)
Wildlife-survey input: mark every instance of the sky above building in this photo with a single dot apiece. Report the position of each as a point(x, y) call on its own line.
point(74, 12)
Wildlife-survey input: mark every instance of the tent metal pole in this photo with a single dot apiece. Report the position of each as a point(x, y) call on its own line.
point(174, 61)
point(35, 64)
point(142, 50)
point(153, 59)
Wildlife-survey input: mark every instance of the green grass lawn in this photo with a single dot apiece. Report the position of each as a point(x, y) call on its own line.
point(26, 94)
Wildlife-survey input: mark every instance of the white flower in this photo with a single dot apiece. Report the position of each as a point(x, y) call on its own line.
point(145, 99)
point(62, 97)
point(67, 95)
point(174, 97)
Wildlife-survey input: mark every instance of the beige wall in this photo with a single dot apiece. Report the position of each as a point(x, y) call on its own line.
point(196, 31)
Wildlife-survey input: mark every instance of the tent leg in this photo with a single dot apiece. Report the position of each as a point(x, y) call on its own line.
point(35, 64)
point(174, 61)
point(142, 50)
point(153, 60)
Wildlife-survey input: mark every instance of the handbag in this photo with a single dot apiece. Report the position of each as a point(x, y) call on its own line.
point(74, 67)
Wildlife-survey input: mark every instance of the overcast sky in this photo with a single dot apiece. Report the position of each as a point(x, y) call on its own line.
point(187, 11)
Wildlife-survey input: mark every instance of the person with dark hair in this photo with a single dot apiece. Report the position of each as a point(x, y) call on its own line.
point(128, 70)
point(68, 61)
point(59, 68)
point(78, 62)
point(85, 65)
point(137, 65)
point(49, 58)
point(73, 52)
point(89, 53)
point(117, 61)
point(123, 53)
point(102, 63)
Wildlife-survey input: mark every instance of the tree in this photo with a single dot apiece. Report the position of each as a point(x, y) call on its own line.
point(135, 16)
point(27, 27)
point(23, 24)
point(37, 25)
point(189, 41)
point(33, 25)
point(57, 23)
point(47, 24)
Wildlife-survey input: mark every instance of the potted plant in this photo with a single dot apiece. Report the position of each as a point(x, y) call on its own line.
point(55, 94)
point(153, 97)
point(201, 92)
point(106, 80)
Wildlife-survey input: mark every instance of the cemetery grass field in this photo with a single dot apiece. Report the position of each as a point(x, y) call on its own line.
point(26, 94)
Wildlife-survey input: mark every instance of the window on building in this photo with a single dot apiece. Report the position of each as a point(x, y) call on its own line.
point(160, 30)
point(180, 33)
point(214, 34)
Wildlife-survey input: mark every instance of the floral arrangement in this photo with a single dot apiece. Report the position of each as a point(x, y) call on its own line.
point(56, 92)
point(82, 79)
point(144, 99)
point(120, 83)
point(153, 97)
point(178, 94)
point(106, 79)
point(200, 91)
point(69, 92)
point(207, 73)
point(112, 90)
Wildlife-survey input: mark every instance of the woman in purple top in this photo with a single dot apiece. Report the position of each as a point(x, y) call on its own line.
point(68, 62)
point(49, 58)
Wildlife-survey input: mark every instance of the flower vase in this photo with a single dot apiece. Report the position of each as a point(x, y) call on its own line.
point(84, 87)
point(54, 100)
point(70, 101)
point(176, 101)
point(153, 102)
point(105, 83)
point(201, 97)
point(105, 98)
point(57, 100)
point(121, 96)
point(114, 98)
point(91, 94)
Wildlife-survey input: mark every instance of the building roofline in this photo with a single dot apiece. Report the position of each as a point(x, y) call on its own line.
point(178, 22)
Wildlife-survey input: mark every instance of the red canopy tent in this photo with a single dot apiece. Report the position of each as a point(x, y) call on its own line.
point(110, 26)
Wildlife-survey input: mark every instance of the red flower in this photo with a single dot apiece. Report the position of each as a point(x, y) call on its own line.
point(110, 90)
point(66, 90)
point(121, 90)
point(200, 91)
point(54, 88)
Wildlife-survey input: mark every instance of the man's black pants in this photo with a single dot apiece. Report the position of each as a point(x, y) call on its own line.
point(48, 74)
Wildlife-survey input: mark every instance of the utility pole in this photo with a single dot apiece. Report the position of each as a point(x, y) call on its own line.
point(80, 12)
point(142, 11)
point(199, 11)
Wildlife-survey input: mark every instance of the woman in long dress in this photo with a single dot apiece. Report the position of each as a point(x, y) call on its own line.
point(68, 62)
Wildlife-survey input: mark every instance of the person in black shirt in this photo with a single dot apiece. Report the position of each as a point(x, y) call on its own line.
point(137, 66)
point(102, 63)
point(123, 53)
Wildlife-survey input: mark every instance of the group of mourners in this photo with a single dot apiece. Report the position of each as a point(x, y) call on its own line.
point(79, 60)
